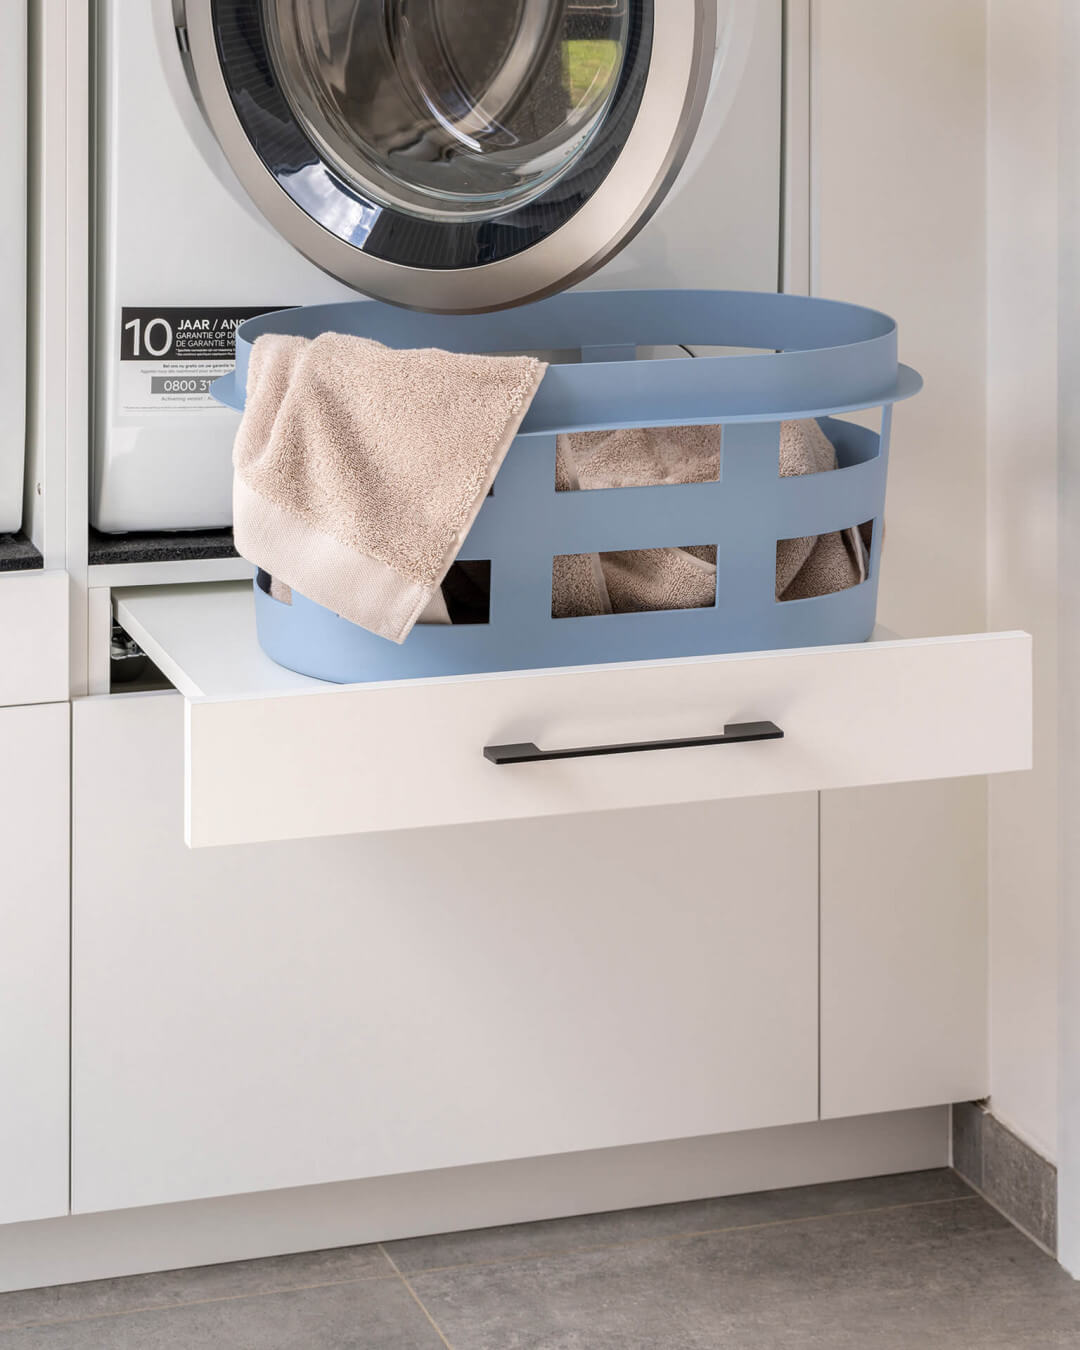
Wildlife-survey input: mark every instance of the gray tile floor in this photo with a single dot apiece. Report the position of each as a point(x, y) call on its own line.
point(896, 1263)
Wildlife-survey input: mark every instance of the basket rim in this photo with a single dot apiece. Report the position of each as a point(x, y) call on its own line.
point(808, 357)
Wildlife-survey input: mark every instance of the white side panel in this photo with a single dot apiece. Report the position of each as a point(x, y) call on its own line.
point(903, 946)
point(899, 191)
point(1024, 55)
point(60, 226)
point(281, 1016)
point(33, 637)
point(34, 962)
point(13, 87)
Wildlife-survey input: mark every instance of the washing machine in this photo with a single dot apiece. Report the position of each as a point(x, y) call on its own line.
point(13, 92)
point(446, 155)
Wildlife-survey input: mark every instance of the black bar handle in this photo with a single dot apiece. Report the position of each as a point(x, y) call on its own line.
point(734, 734)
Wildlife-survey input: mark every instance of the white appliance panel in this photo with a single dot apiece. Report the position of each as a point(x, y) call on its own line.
point(719, 228)
point(176, 231)
point(179, 233)
point(13, 92)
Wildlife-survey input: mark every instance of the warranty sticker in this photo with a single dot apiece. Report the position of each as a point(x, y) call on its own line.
point(170, 358)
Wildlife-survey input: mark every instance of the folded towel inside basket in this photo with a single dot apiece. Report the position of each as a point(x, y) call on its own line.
point(685, 578)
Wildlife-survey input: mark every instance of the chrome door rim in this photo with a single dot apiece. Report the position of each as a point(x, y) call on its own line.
point(673, 100)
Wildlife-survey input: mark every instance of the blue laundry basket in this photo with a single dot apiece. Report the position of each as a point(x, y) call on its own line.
point(794, 357)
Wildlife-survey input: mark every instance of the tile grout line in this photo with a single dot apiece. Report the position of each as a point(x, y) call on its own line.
point(692, 1233)
point(416, 1297)
point(396, 1272)
point(5, 1327)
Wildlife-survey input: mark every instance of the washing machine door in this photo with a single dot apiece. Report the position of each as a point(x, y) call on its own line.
point(453, 155)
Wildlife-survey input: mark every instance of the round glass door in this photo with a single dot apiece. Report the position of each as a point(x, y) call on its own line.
point(454, 154)
point(453, 109)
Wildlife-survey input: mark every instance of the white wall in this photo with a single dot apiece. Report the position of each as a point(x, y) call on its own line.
point(899, 188)
point(1069, 636)
point(1022, 446)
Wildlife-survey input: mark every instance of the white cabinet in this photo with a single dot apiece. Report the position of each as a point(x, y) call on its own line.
point(331, 994)
point(34, 750)
point(904, 938)
point(248, 1018)
point(270, 755)
point(33, 637)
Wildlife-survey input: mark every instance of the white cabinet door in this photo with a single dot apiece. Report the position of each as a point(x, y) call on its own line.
point(33, 637)
point(904, 940)
point(34, 962)
point(255, 1017)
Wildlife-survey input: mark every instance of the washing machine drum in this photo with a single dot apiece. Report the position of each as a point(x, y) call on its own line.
point(454, 155)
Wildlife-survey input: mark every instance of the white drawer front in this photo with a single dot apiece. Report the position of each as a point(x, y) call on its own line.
point(272, 756)
point(392, 758)
point(33, 637)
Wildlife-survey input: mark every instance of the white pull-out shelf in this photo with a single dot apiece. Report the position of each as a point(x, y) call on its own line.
point(273, 755)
